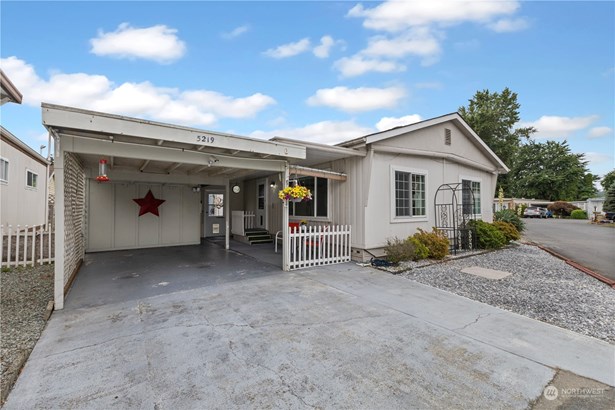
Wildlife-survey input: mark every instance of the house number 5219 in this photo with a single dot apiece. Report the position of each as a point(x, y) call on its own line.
point(205, 138)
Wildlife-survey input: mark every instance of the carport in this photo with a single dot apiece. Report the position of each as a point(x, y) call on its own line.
point(171, 162)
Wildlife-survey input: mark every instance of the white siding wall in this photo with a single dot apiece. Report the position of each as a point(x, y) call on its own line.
point(19, 204)
point(113, 221)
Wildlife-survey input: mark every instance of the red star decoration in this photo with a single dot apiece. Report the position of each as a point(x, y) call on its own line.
point(149, 204)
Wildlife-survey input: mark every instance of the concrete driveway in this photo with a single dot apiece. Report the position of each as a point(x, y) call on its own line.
point(590, 245)
point(335, 337)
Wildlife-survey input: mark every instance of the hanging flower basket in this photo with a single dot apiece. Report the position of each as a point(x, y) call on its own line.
point(295, 193)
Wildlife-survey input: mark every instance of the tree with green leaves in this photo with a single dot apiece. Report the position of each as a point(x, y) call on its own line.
point(493, 116)
point(608, 179)
point(609, 201)
point(551, 171)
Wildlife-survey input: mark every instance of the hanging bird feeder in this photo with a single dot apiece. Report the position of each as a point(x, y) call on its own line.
point(102, 171)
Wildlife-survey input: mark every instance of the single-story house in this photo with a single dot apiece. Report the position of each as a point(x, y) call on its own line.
point(23, 173)
point(166, 185)
point(23, 183)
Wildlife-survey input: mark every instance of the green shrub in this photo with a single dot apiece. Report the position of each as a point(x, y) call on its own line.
point(578, 214)
point(488, 236)
point(397, 250)
point(436, 242)
point(510, 216)
point(420, 250)
point(562, 208)
point(509, 230)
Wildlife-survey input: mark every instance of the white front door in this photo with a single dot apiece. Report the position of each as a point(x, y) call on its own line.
point(261, 204)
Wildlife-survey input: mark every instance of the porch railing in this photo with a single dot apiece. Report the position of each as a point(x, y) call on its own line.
point(318, 245)
point(26, 245)
point(242, 220)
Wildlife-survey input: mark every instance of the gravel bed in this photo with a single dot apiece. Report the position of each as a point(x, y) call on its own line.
point(541, 286)
point(24, 294)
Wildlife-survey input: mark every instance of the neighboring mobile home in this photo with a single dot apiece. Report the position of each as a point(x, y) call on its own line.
point(23, 183)
point(172, 185)
point(23, 173)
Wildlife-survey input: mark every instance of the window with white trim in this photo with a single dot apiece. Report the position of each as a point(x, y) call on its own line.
point(471, 203)
point(4, 170)
point(31, 179)
point(409, 194)
point(319, 205)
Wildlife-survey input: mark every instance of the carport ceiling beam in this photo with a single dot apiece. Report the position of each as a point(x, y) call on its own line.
point(59, 117)
point(174, 167)
point(165, 154)
point(313, 172)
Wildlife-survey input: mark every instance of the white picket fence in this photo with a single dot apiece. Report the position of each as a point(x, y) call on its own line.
point(318, 245)
point(241, 221)
point(26, 245)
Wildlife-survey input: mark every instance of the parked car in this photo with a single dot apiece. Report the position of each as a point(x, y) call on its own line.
point(610, 216)
point(534, 212)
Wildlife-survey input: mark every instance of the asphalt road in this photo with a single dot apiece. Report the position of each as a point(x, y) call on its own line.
point(590, 245)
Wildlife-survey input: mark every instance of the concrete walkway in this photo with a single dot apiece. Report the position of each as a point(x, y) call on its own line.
point(335, 337)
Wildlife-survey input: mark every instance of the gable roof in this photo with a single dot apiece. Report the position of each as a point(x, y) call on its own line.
point(8, 91)
point(11, 139)
point(454, 117)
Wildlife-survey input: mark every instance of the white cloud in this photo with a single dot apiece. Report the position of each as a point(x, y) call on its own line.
point(598, 132)
point(236, 32)
point(96, 92)
point(386, 123)
point(323, 50)
point(507, 25)
point(420, 42)
point(358, 65)
point(324, 132)
point(357, 99)
point(552, 126)
point(597, 157)
point(396, 16)
point(158, 43)
point(290, 49)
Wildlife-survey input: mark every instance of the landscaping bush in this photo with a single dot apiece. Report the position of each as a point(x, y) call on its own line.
point(420, 250)
point(510, 216)
point(578, 214)
point(488, 235)
point(562, 208)
point(398, 250)
point(509, 230)
point(436, 242)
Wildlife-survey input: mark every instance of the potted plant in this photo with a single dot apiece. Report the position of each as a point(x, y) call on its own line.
point(295, 193)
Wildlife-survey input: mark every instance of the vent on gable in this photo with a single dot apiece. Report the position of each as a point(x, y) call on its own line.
point(447, 136)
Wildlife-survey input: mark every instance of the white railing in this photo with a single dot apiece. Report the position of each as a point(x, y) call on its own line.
point(318, 245)
point(26, 245)
point(242, 220)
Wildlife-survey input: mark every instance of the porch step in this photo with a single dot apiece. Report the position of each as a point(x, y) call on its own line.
point(255, 236)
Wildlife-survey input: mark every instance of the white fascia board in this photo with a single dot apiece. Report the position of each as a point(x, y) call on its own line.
point(349, 152)
point(370, 139)
point(76, 119)
point(156, 153)
point(9, 89)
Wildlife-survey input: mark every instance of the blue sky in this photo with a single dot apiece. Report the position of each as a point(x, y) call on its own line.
point(318, 71)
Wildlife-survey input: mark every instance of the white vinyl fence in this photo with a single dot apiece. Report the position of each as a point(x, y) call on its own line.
point(318, 245)
point(26, 245)
point(241, 221)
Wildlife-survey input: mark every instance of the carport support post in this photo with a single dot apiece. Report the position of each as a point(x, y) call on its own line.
point(227, 214)
point(58, 282)
point(285, 238)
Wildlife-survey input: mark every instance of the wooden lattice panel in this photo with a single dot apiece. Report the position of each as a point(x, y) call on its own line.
point(74, 214)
